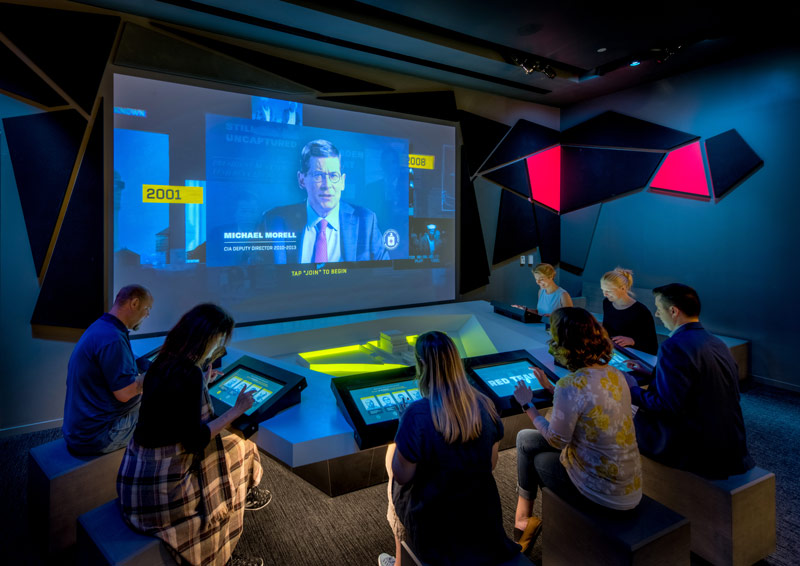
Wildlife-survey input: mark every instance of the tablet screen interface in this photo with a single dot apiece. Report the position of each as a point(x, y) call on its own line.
point(618, 360)
point(379, 403)
point(503, 378)
point(228, 388)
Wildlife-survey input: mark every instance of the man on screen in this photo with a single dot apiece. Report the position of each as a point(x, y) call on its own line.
point(104, 380)
point(323, 228)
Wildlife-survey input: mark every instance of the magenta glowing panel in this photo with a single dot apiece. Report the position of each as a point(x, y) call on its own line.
point(683, 172)
point(544, 174)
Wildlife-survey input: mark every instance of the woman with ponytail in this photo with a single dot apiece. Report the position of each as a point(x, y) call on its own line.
point(446, 501)
point(628, 322)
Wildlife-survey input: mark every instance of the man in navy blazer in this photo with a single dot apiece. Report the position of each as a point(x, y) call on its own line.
point(690, 417)
point(323, 228)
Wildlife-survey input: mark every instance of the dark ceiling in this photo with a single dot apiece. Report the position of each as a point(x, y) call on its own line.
point(485, 45)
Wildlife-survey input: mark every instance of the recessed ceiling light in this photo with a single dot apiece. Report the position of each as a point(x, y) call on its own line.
point(602, 50)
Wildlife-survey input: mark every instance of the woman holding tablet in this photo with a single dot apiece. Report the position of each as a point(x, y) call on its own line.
point(182, 478)
point(628, 322)
point(445, 497)
point(586, 453)
point(551, 296)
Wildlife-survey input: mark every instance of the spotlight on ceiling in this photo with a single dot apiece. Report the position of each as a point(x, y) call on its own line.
point(635, 63)
point(535, 67)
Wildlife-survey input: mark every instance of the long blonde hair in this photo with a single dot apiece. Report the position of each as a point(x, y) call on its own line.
point(455, 404)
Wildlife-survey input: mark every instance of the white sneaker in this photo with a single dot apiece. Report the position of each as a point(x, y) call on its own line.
point(385, 560)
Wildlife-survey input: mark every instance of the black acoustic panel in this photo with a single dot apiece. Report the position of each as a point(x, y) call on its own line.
point(473, 265)
point(72, 48)
point(577, 232)
point(730, 160)
point(320, 80)
point(147, 49)
point(611, 129)
point(514, 177)
point(548, 227)
point(438, 104)
point(72, 291)
point(480, 135)
point(524, 139)
point(516, 228)
point(43, 148)
point(17, 78)
point(591, 175)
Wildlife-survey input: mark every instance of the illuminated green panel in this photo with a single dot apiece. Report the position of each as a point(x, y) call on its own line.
point(339, 370)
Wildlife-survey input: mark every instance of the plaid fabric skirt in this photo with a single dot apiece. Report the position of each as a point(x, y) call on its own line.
point(193, 502)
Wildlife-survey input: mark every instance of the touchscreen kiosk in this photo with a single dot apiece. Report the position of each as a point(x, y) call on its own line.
point(497, 375)
point(275, 389)
point(371, 402)
point(622, 355)
point(520, 314)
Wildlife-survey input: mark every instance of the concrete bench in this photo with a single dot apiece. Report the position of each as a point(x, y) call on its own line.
point(410, 559)
point(649, 534)
point(733, 520)
point(104, 539)
point(61, 486)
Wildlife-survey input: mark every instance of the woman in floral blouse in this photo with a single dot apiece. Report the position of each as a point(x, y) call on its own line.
point(586, 453)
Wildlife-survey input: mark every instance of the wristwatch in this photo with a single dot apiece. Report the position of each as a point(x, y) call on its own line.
point(528, 405)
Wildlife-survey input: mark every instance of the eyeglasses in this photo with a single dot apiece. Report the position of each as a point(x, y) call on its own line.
point(333, 176)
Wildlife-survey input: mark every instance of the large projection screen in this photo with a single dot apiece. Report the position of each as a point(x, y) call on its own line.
point(213, 201)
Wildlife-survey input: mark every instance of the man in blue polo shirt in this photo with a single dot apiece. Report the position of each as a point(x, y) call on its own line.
point(104, 385)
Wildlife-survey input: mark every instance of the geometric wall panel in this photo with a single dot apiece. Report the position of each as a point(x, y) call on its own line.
point(72, 291)
point(730, 161)
point(43, 148)
point(516, 228)
point(611, 129)
point(524, 139)
point(474, 265)
point(577, 231)
point(480, 135)
point(321, 80)
point(548, 228)
point(590, 175)
point(71, 48)
point(513, 177)
point(544, 174)
point(683, 173)
point(17, 78)
point(437, 104)
point(146, 49)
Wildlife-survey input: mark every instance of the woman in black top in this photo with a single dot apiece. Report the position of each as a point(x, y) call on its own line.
point(627, 321)
point(184, 479)
point(444, 499)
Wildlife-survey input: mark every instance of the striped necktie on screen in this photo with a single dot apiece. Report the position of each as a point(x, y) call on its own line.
point(321, 243)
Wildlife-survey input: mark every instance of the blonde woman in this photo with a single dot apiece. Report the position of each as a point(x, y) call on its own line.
point(628, 322)
point(587, 452)
point(443, 489)
point(551, 296)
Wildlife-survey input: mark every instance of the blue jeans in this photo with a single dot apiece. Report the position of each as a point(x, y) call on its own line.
point(115, 437)
point(538, 466)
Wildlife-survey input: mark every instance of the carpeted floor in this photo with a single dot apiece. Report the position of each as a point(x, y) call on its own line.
point(303, 526)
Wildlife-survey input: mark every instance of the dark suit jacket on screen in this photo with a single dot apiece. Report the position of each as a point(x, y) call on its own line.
point(690, 417)
point(359, 240)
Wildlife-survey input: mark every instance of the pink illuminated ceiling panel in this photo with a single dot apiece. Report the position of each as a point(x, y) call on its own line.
point(544, 173)
point(683, 172)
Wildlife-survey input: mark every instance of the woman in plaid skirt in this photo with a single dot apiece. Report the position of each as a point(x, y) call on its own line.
point(184, 479)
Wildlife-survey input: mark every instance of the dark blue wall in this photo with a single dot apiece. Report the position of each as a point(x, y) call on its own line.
point(740, 254)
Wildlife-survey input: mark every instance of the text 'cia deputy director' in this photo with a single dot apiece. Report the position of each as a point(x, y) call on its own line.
point(328, 229)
